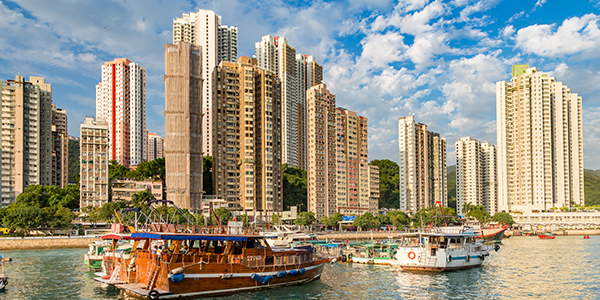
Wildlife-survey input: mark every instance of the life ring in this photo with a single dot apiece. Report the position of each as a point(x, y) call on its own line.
point(482, 257)
point(153, 295)
point(450, 258)
point(411, 255)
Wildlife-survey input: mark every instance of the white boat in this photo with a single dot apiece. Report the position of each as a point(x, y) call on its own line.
point(442, 249)
point(284, 235)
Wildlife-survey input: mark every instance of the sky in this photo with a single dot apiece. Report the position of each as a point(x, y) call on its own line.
point(438, 60)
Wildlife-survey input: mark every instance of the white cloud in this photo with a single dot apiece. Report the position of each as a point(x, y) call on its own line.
point(575, 35)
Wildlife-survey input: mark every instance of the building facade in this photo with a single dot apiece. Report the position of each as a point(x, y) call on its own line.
point(121, 101)
point(321, 173)
point(540, 142)
point(183, 125)
point(60, 148)
point(122, 189)
point(247, 157)
point(218, 43)
point(374, 192)
point(475, 174)
point(423, 177)
point(26, 135)
point(155, 146)
point(94, 146)
point(297, 73)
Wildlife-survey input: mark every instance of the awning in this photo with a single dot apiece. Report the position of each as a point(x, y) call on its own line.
point(180, 237)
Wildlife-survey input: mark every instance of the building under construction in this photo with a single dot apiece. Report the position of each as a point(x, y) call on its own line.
point(183, 125)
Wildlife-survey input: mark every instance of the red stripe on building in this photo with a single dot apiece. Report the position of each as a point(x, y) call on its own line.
point(114, 112)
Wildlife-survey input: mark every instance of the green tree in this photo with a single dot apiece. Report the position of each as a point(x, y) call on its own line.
point(332, 221)
point(398, 218)
point(141, 199)
point(305, 218)
point(223, 214)
point(25, 217)
point(107, 211)
point(59, 218)
point(503, 218)
point(481, 215)
point(207, 183)
point(275, 219)
point(245, 219)
point(426, 214)
point(91, 214)
point(74, 162)
point(198, 219)
point(366, 221)
point(389, 180)
point(294, 187)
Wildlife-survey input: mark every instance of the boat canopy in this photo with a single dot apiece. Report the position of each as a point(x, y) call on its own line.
point(204, 237)
point(114, 236)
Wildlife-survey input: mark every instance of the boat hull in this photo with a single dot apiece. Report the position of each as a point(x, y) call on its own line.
point(93, 261)
point(374, 261)
point(205, 284)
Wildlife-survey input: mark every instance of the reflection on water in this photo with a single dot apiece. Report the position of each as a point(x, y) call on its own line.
point(525, 267)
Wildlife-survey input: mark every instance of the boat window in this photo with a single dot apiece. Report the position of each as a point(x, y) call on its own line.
point(236, 248)
point(255, 244)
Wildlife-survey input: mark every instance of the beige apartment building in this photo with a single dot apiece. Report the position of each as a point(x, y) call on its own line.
point(422, 166)
point(374, 192)
point(540, 142)
point(60, 148)
point(94, 154)
point(124, 188)
point(217, 43)
point(322, 166)
point(155, 146)
point(247, 136)
point(297, 73)
point(121, 102)
point(26, 141)
point(183, 125)
point(475, 174)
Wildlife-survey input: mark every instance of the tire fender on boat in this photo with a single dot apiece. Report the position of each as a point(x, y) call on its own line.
point(482, 257)
point(449, 258)
point(153, 295)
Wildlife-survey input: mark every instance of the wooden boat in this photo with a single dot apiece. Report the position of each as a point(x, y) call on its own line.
point(201, 264)
point(492, 235)
point(547, 235)
point(116, 261)
point(442, 249)
point(375, 253)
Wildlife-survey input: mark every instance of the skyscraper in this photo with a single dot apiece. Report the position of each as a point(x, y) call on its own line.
point(183, 125)
point(247, 129)
point(475, 174)
point(26, 135)
point(121, 101)
point(60, 148)
point(218, 43)
point(422, 166)
point(540, 143)
point(296, 73)
point(322, 166)
point(94, 148)
point(156, 146)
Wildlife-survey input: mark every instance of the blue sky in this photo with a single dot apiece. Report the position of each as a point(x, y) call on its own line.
point(384, 59)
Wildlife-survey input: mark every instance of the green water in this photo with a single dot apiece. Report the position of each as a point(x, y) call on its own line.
point(525, 268)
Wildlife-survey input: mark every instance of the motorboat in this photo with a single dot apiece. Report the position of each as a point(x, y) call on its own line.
point(375, 253)
point(442, 249)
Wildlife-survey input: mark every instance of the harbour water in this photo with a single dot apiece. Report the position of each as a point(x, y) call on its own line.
point(567, 267)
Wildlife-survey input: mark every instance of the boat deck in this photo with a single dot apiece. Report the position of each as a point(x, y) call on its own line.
point(138, 290)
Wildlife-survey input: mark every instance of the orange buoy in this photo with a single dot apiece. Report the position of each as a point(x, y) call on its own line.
point(586, 237)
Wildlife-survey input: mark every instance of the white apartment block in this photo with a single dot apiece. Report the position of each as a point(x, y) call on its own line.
point(94, 146)
point(540, 142)
point(155, 146)
point(422, 165)
point(121, 102)
point(217, 43)
point(475, 174)
point(60, 148)
point(247, 170)
point(308, 74)
point(26, 141)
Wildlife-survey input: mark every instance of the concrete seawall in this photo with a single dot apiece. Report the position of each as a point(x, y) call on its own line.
point(45, 243)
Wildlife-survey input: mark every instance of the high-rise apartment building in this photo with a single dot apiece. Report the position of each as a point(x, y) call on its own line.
point(352, 163)
point(121, 101)
point(26, 135)
point(218, 43)
point(94, 146)
point(183, 125)
point(422, 166)
point(60, 148)
point(475, 174)
point(322, 167)
point(156, 146)
point(247, 130)
point(339, 176)
point(540, 147)
point(296, 73)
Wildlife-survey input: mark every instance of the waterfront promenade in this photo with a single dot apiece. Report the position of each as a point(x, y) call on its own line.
point(49, 242)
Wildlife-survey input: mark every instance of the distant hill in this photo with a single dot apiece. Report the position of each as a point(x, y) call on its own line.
point(73, 160)
point(591, 186)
